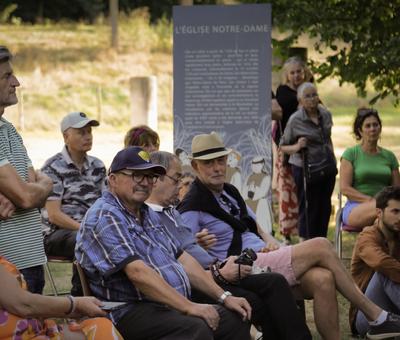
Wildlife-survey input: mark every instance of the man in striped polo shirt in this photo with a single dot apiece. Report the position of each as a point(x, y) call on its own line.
point(24, 190)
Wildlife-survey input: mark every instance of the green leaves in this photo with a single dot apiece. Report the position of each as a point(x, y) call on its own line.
point(361, 38)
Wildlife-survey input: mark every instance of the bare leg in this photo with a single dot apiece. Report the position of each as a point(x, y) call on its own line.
point(363, 214)
point(318, 252)
point(319, 284)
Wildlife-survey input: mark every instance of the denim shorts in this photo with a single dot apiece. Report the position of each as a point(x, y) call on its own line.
point(348, 207)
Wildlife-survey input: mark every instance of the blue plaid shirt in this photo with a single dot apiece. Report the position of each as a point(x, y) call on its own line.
point(110, 237)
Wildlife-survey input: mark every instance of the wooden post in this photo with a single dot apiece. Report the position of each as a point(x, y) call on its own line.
point(143, 92)
point(21, 117)
point(99, 102)
point(114, 23)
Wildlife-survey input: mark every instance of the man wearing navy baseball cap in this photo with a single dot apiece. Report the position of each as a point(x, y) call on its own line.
point(129, 256)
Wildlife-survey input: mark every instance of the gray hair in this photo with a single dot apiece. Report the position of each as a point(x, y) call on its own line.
point(5, 54)
point(303, 87)
point(163, 158)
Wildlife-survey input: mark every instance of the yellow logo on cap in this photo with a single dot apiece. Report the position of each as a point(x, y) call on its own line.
point(144, 155)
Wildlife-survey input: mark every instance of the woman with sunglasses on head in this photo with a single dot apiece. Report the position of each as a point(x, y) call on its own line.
point(365, 169)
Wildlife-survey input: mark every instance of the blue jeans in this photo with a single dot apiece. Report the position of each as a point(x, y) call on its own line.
point(384, 293)
point(34, 277)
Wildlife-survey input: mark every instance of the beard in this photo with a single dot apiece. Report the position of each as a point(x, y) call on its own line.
point(394, 228)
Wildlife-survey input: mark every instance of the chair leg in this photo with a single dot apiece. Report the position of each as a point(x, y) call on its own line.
point(50, 276)
point(338, 241)
point(338, 232)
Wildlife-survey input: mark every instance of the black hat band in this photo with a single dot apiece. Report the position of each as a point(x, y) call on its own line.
point(208, 151)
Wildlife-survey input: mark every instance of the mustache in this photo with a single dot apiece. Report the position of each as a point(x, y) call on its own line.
point(144, 189)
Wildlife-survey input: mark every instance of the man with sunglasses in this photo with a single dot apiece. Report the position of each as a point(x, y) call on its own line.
point(129, 256)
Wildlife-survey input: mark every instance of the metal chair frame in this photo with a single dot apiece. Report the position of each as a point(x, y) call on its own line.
point(340, 227)
point(55, 259)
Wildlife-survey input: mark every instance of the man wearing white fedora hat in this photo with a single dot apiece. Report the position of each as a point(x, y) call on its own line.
point(218, 215)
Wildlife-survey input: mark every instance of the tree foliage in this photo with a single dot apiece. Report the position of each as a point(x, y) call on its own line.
point(35, 11)
point(361, 38)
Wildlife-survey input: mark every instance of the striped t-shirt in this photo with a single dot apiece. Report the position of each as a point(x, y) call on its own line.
point(21, 240)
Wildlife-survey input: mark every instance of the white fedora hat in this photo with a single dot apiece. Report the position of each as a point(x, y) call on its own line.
point(208, 146)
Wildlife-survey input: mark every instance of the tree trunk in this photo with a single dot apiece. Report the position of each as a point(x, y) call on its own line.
point(114, 23)
point(186, 2)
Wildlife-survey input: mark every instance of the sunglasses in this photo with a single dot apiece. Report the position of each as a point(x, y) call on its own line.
point(365, 112)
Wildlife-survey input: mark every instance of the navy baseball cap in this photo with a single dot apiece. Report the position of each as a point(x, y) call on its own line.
point(134, 158)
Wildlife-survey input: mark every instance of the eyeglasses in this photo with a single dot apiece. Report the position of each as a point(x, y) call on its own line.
point(176, 180)
point(311, 95)
point(139, 177)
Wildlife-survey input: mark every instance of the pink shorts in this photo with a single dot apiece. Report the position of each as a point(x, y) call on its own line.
point(280, 261)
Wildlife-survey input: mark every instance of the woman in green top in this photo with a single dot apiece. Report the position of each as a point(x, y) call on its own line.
point(365, 169)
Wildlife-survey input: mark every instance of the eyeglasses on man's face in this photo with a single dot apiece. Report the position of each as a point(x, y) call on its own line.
point(139, 177)
point(176, 180)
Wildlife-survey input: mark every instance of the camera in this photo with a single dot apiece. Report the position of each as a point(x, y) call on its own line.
point(246, 257)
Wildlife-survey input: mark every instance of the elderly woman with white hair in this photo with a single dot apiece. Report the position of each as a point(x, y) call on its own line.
point(307, 139)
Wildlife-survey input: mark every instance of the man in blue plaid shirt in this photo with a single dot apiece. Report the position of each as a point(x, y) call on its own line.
point(129, 256)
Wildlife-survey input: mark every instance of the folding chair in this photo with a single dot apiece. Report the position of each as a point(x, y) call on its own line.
point(55, 259)
point(340, 227)
point(82, 276)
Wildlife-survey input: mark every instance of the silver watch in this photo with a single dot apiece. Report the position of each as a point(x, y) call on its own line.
point(224, 295)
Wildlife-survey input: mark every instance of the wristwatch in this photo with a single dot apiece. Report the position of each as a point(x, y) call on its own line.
point(224, 295)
